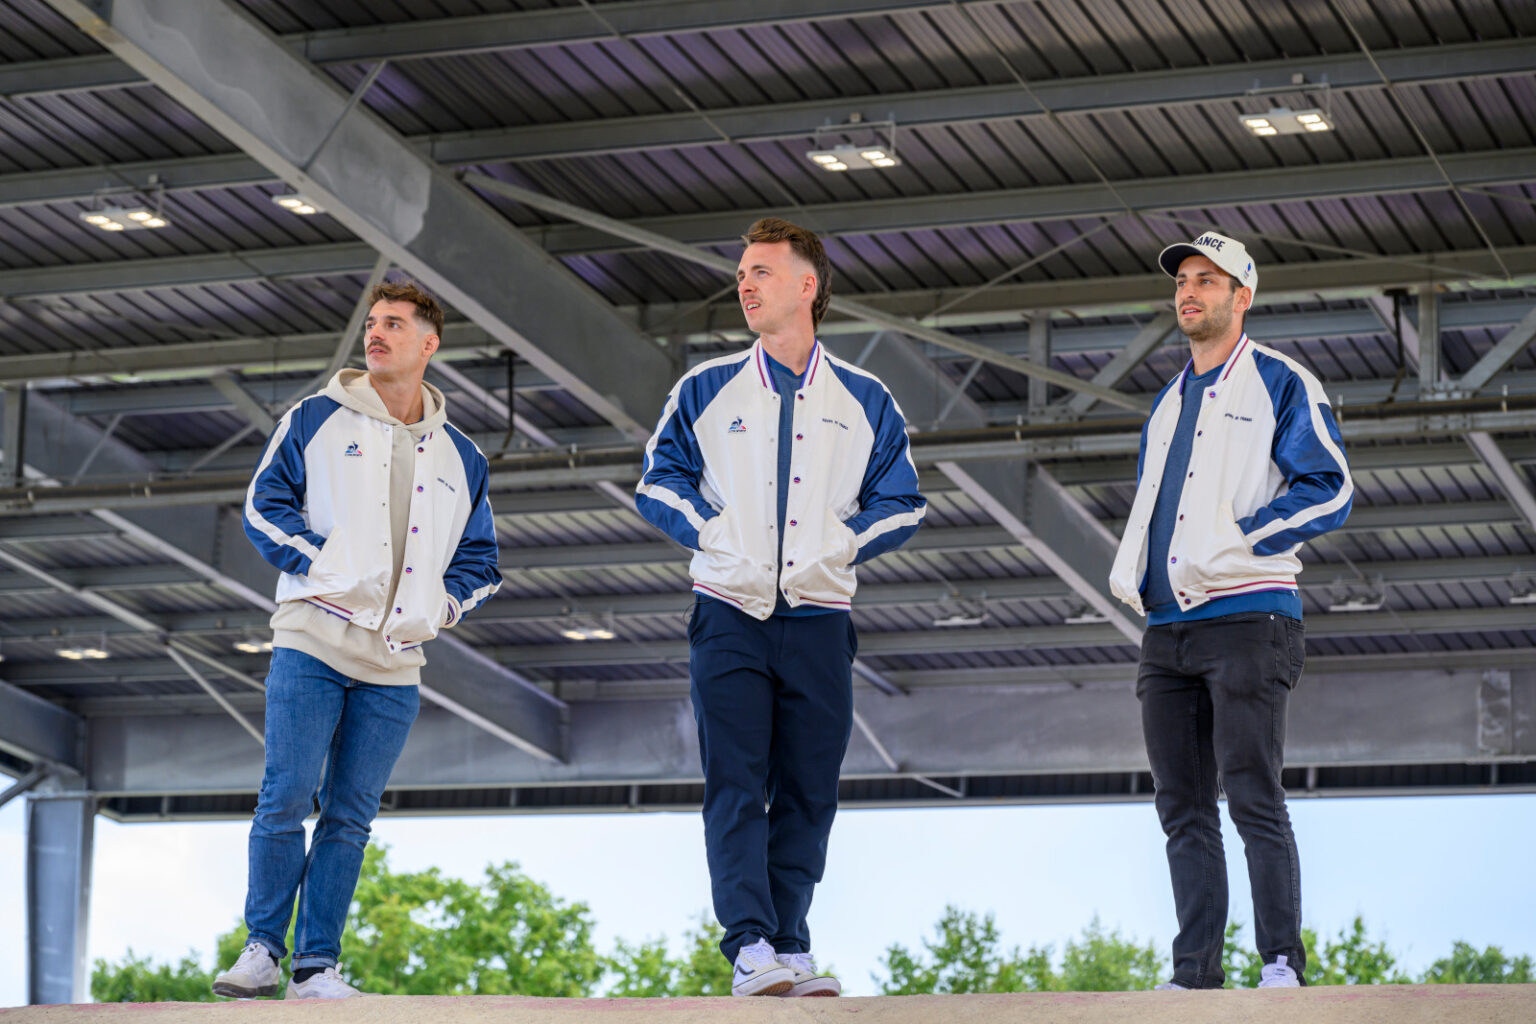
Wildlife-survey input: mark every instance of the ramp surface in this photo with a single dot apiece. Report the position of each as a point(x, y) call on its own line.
point(1388, 1004)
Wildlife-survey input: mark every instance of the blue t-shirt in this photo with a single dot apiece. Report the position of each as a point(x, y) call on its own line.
point(786, 382)
point(1158, 597)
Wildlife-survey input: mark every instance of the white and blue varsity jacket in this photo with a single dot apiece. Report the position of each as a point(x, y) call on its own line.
point(319, 511)
point(1266, 473)
point(711, 470)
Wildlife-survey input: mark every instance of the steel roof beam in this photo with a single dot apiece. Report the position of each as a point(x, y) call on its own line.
point(1423, 714)
point(1089, 94)
point(38, 731)
point(219, 63)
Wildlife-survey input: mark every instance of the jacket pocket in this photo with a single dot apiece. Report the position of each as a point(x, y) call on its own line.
point(723, 568)
point(341, 584)
point(826, 578)
point(416, 617)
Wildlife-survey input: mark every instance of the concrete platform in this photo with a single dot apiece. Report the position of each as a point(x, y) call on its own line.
point(1387, 1004)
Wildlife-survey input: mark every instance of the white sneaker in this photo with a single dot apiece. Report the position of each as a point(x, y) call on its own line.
point(807, 981)
point(328, 984)
point(759, 973)
point(255, 974)
point(1170, 986)
point(1278, 975)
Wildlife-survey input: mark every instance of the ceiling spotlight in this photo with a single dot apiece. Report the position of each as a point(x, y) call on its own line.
point(1085, 617)
point(294, 202)
point(1285, 121)
point(117, 218)
point(82, 653)
point(852, 158)
point(960, 619)
point(586, 633)
point(1359, 603)
point(249, 646)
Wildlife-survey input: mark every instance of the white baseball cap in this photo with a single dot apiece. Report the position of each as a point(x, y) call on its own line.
point(1227, 253)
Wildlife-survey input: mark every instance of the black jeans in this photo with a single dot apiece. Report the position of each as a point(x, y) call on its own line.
point(1213, 700)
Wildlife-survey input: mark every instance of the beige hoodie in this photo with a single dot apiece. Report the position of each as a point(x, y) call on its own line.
point(353, 651)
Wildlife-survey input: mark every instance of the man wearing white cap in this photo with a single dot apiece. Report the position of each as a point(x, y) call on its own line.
point(1241, 462)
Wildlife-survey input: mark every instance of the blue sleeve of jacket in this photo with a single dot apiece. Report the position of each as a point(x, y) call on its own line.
point(274, 501)
point(1309, 452)
point(890, 506)
point(474, 572)
point(668, 493)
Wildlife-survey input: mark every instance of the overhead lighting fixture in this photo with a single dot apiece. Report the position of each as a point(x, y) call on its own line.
point(294, 202)
point(249, 646)
point(961, 619)
point(858, 145)
point(1086, 617)
point(119, 218)
point(1359, 603)
point(1285, 121)
point(1529, 597)
point(586, 633)
point(82, 653)
point(852, 158)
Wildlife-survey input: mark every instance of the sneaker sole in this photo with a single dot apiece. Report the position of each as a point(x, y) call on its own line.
point(229, 990)
point(776, 988)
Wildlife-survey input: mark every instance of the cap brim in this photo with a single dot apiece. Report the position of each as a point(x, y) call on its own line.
point(1170, 258)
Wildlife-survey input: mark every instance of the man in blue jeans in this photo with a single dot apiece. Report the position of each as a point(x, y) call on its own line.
point(1241, 462)
point(376, 511)
point(782, 468)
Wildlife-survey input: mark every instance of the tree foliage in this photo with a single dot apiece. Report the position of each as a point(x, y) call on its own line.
point(647, 970)
point(1469, 966)
point(419, 933)
point(966, 955)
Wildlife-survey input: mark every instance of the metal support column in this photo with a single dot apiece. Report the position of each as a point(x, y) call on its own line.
point(13, 433)
point(60, 833)
point(1429, 341)
point(1039, 352)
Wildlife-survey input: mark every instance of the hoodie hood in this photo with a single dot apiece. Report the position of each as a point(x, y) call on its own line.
point(353, 389)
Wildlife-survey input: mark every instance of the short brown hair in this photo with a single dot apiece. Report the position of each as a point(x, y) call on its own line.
point(807, 246)
point(427, 309)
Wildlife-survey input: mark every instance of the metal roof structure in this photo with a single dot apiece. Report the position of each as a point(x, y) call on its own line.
point(569, 175)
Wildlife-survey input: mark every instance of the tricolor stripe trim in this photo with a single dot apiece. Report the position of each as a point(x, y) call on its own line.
point(1232, 359)
point(702, 589)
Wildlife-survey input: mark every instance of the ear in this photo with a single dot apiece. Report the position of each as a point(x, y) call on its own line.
point(808, 286)
point(1243, 300)
point(430, 345)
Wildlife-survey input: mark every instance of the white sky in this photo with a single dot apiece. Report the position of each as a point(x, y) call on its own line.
point(1423, 871)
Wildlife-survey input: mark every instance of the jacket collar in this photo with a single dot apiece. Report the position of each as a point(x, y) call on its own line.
point(1243, 345)
point(813, 367)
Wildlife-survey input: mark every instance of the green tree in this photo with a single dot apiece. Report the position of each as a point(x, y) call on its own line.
point(419, 933)
point(964, 957)
point(1107, 962)
point(1350, 957)
point(967, 956)
point(646, 969)
point(136, 980)
point(416, 933)
point(1468, 966)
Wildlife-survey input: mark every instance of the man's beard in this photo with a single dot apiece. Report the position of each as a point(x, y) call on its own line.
point(1216, 322)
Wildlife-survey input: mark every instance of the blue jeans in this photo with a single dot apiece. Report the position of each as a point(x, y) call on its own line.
point(1213, 703)
point(320, 726)
point(774, 705)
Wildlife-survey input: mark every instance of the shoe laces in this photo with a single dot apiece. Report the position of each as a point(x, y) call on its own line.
point(250, 952)
point(803, 962)
point(758, 955)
